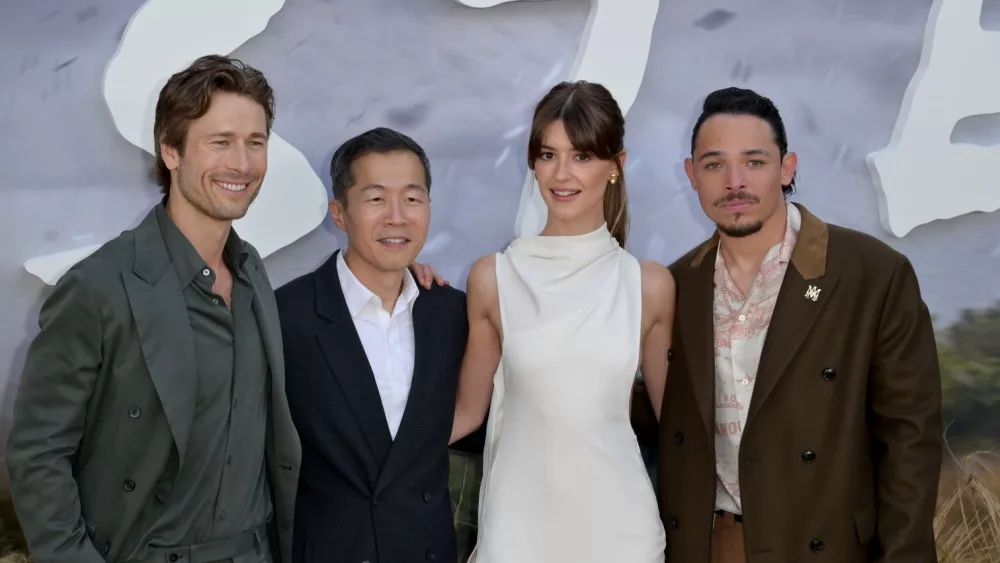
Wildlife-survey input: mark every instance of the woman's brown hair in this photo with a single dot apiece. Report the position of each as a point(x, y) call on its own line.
point(595, 126)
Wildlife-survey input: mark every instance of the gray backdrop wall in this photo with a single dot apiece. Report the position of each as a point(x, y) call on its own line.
point(462, 81)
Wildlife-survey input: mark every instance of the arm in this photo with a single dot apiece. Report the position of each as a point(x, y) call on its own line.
point(482, 353)
point(907, 425)
point(658, 308)
point(59, 376)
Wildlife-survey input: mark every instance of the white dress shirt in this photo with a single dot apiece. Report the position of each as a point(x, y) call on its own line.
point(387, 338)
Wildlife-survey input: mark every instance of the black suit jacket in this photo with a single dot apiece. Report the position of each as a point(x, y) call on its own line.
point(363, 496)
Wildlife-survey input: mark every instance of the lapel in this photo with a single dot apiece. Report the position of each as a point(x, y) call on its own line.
point(345, 354)
point(795, 311)
point(266, 312)
point(695, 297)
point(427, 355)
point(164, 330)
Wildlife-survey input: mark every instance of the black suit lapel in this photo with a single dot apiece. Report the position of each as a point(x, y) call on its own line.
point(346, 356)
point(427, 355)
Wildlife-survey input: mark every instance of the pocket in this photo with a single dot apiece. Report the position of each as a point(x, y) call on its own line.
point(864, 522)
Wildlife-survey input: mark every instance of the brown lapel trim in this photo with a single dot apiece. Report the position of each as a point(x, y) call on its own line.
point(805, 291)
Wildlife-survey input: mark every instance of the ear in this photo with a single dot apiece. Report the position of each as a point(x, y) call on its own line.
point(171, 156)
point(788, 166)
point(621, 158)
point(339, 214)
point(689, 169)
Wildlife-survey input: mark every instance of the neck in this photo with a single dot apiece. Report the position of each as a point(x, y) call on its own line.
point(386, 285)
point(556, 227)
point(747, 253)
point(208, 236)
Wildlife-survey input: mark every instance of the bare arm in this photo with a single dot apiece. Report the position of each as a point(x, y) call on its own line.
point(906, 404)
point(658, 317)
point(58, 379)
point(482, 353)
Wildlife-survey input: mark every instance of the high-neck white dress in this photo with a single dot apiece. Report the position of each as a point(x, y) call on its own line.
point(563, 479)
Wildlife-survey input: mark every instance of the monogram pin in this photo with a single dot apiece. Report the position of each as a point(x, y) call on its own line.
point(813, 293)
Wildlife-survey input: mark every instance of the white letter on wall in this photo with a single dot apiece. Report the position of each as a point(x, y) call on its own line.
point(922, 175)
point(292, 200)
point(613, 52)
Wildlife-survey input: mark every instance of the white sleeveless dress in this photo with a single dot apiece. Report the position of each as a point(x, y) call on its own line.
point(563, 478)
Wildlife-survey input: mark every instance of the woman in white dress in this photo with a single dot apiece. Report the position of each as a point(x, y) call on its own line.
point(568, 317)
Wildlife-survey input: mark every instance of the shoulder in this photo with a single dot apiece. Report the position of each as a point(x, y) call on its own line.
point(483, 276)
point(295, 291)
point(849, 249)
point(657, 283)
point(451, 298)
point(102, 270)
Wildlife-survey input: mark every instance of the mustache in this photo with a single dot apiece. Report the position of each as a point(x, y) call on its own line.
point(736, 196)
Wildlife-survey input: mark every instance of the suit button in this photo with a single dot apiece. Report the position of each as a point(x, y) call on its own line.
point(673, 524)
point(816, 546)
point(428, 497)
point(808, 456)
point(107, 548)
point(829, 374)
point(678, 438)
point(134, 412)
point(174, 557)
point(430, 555)
point(670, 354)
point(129, 485)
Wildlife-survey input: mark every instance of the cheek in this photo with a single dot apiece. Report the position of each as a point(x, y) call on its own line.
point(543, 172)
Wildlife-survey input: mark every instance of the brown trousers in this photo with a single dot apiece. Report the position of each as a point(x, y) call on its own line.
point(727, 540)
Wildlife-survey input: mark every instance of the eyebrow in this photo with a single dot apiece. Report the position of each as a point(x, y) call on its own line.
point(377, 186)
point(231, 134)
point(548, 148)
point(747, 152)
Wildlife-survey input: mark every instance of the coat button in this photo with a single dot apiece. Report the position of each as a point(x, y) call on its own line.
point(134, 412)
point(673, 524)
point(430, 555)
point(174, 557)
point(816, 546)
point(670, 354)
point(678, 438)
point(428, 497)
point(107, 548)
point(129, 485)
point(829, 374)
point(808, 456)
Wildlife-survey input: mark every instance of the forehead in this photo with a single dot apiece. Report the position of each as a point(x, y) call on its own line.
point(397, 169)
point(735, 132)
point(554, 135)
point(232, 113)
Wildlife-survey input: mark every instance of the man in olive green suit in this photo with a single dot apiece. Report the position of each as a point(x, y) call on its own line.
point(151, 422)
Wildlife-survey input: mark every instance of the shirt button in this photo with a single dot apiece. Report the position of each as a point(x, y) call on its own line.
point(229, 459)
point(222, 515)
point(743, 318)
point(134, 412)
point(216, 301)
point(129, 485)
point(206, 272)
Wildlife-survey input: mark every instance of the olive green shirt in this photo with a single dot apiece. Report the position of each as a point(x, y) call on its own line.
point(221, 489)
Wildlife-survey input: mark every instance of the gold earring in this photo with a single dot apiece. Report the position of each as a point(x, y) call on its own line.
point(614, 178)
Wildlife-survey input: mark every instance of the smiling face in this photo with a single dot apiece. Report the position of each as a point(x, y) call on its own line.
point(385, 212)
point(737, 170)
point(223, 162)
point(572, 183)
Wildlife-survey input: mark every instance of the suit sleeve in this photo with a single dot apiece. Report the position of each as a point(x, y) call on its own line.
point(48, 422)
point(907, 422)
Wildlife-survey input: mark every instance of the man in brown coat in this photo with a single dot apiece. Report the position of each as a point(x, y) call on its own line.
point(801, 420)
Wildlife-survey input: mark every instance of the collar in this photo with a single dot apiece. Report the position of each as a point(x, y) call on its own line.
point(809, 252)
point(358, 296)
point(186, 260)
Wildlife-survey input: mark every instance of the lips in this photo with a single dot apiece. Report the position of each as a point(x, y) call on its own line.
point(394, 242)
point(232, 186)
point(564, 195)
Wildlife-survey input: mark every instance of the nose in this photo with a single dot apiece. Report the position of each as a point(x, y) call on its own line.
point(395, 212)
point(561, 172)
point(239, 158)
point(736, 178)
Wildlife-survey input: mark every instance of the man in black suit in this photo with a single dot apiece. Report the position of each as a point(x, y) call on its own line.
point(372, 361)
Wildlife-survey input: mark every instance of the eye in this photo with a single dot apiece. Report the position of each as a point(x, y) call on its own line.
point(713, 166)
point(755, 163)
point(220, 142)
point(583, 157)
point(257, 143)
point(546, 156)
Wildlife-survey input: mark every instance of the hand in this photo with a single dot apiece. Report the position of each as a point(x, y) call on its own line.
point(426, 276)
